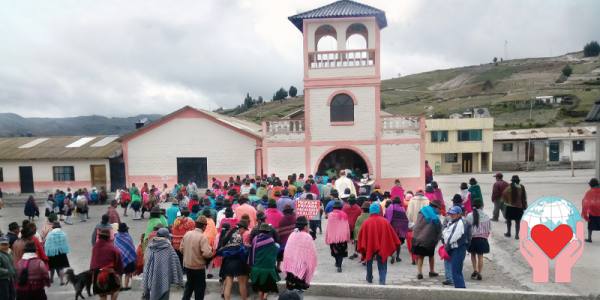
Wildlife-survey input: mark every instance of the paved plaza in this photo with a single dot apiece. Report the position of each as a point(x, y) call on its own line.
point(504, 269)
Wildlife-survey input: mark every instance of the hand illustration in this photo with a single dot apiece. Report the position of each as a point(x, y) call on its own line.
point(567, 258)
point(535, 257)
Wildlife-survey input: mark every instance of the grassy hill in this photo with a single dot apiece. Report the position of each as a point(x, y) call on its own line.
point(506, 89)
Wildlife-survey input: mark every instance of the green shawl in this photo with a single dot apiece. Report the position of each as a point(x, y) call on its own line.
point(363, 217)
point(263, 259)
point(153, 222)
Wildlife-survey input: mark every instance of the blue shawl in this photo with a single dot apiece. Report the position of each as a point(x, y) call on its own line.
point(124, 243)
point(430, 214)
point(56, 243)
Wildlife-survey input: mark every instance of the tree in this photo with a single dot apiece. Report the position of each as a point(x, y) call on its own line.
point(260, 100)
point(495, 60)
point(567, 71)
point(488, 85)
point(248, 101)
point(293, 91)
point(280, 94)
point(591, 49)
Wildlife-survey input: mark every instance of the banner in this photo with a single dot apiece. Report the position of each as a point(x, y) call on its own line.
point(308, 208)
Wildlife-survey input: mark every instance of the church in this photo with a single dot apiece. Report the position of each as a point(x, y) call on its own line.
point(341, 126)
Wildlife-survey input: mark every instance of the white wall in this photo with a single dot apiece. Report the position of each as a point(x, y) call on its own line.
point(284, 161)
point(364, 115)
point(156, 151)
point(588, 155)
point(401, 160)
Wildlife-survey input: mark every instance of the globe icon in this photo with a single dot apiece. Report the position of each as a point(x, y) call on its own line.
point(552, 212)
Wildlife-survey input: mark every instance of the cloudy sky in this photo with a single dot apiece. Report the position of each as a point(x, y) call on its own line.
point(119, 58)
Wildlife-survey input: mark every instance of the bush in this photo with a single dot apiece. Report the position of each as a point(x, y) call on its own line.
point(293, 91)
point(567, 71)
point(591, 49)
point(487, 85)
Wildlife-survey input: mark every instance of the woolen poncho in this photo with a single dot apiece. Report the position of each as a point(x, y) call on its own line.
point(124, 243)
point(377, 236)
point(338, 229)
point(286, 226)
point(361, 219)
point(396, 215)
point(300, 256)
point(161, 269)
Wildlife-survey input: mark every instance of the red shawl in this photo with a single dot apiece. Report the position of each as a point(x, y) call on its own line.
point(353, 212)
point(104, 254)
point(591, 204)
point(377, 236)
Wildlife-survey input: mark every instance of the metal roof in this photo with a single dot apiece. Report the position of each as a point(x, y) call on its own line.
point(341, 9)
point(56, 148)
point(545, 133)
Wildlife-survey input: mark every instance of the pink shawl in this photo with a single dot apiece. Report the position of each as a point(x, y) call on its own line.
point(338, 230)
point(274, 216)
point(300, 256)
point(397, 191)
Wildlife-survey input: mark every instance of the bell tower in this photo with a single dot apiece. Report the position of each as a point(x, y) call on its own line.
point(342, 76)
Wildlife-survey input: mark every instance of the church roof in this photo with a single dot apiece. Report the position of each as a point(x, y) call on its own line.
point(341, 9)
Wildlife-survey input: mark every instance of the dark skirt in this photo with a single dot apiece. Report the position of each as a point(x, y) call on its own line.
point(423, 251)
point(294, 283)
point(233, 266)
point(479, 245)
point(32, 295)
point(594, 223)
point(513, 213)
point(111, 286)
point(339, 249)
point(135, 205)
point(58, 261)
point(270, 286)
point(129, 269)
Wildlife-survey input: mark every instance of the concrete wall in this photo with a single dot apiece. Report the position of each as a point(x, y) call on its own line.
point(453, 126)
point(152, 156)
point(589, 153)
point(363, 127)
point(43, 180)
point(400, 160)
point(518, 151)
point(284, 161)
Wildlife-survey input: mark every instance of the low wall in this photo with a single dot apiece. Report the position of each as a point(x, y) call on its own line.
point(541, 165)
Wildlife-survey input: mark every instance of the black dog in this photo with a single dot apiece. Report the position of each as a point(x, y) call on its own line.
point(79, 281)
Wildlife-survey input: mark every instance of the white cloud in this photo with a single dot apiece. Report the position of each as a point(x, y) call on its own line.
point(116, 58)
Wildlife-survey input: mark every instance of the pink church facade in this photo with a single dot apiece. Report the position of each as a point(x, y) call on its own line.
point(343, 126)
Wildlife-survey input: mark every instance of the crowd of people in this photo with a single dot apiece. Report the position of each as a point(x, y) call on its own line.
point(251, 229)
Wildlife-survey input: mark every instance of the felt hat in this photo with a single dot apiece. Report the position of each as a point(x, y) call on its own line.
point(123, 227)
point(301, 221)
point(243, 224)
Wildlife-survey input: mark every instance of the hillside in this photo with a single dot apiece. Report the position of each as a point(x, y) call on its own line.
point(15, 125)
point(506, 89)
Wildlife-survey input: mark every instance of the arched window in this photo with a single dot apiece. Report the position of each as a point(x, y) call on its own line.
point(341, 108)
point(326, 38)
point(356, 37)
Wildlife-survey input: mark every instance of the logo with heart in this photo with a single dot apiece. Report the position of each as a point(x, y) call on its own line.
point(551, 241)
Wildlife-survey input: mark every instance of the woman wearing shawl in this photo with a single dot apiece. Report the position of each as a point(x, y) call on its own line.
point(161, 267)
point(475, 191)
point(426, 234)
point(57, 248)
point(591, 208)
point(106, 266)
point(262, 259)
point(353, 211)
point(337, 234)
point(300, 257)
point(232, 249)
point(31, 285)
point(31, 209)
point(28, 235)
point(431, 194)
point(465, 195)
point(155, 218)
point(397, 190)
point(48, 226)
point(124, 243)
point(273, 214)
point(376, 241)
point(136, 201)
point(515, 200)
point(286, 227)
point(396, 215)
point(362, 218)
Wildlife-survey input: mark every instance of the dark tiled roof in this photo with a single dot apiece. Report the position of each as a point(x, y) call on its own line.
point(594, 114)
point(341, 9)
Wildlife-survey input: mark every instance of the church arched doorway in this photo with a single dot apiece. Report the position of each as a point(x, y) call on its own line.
point(341, 159)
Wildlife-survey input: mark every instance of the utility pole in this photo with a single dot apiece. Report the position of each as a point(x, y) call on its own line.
point(571, 156)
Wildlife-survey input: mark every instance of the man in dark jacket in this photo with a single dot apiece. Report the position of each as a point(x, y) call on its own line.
point(499, 186)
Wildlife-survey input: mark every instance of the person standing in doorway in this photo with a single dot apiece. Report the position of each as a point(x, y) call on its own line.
point(499, 186)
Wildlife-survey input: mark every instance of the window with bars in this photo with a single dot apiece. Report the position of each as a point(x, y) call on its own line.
point(450, 157)
point(507, 147)
point(469, 135)
point(63, 173)
point(578, 146)
point(342, 109)
point(439, 136)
